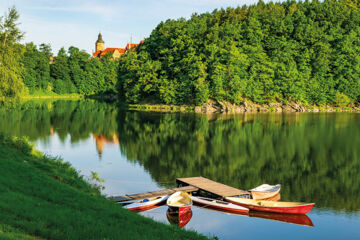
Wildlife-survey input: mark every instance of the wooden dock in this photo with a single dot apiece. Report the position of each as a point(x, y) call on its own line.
point(153, 194)
point(210, 186)
point(189, 185)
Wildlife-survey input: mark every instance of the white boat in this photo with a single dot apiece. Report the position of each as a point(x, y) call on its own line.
point(265, 191)
point(180, 201)
point(146, 204)
point(219, 205)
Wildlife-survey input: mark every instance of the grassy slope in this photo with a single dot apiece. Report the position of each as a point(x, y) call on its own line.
point(45, 198)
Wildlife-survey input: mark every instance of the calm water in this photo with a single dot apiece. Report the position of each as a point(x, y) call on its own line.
point(316, 158)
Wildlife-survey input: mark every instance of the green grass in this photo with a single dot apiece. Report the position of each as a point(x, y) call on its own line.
point(45, 198)
point(47, 94)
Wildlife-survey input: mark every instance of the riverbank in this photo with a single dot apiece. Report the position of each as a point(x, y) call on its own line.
point(247, 107)
point(47, 95)
point(45, 198)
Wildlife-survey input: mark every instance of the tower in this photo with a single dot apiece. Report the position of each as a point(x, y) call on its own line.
point(100, 44)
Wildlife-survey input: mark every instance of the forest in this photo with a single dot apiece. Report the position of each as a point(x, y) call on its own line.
point(307, 52)
point(30, 69)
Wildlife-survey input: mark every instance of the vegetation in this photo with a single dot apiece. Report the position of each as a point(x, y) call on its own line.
point(28, 68)
point(45, 198)
point(71, 71)
point(268, 52)
point(10, 52)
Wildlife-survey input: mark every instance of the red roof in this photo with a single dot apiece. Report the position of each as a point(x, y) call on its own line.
point(107, 50)
point(131, 45)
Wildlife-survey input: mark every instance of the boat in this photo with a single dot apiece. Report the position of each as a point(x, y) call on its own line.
point(179, 219)
point(272, 206)
point(265, 191)
point(180, 201)
point(218, 204)
point(299, 219)
point(146, 204)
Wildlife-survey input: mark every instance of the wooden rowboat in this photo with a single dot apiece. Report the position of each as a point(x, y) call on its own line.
point(265, 191)
point(272, 206)
point(180, 201)
point(146, 204)
point(220, 205)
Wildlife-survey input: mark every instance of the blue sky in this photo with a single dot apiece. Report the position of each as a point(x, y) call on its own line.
point(77, 22)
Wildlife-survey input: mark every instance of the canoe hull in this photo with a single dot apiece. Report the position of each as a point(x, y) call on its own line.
point(142, 205)
point(299, 209)
point(144, 208)
point(230, 208)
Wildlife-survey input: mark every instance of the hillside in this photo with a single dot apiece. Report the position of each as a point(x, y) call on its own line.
point(307, 52)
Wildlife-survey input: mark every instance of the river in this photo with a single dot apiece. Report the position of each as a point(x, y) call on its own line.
point(315, 156)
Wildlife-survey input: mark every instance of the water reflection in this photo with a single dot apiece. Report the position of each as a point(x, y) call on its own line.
point(175, 218)
point(299, 219)
point(315, 156)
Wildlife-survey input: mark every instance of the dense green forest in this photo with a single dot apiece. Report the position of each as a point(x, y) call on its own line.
point(71, 71)
point(268, 52)
point(28, 68)
point(243, 151)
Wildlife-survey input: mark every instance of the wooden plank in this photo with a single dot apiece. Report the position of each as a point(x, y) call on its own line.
point(212, 186)
point(163, 192)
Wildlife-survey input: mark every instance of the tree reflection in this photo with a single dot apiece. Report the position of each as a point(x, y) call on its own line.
point(314, 156)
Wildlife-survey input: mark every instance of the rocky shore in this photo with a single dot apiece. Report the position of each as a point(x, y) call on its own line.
point(213, 106)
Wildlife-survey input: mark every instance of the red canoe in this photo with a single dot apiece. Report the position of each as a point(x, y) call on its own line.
point(220, 205)
point(272, 206)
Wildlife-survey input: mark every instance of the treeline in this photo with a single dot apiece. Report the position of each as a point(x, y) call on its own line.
point(72, 71)
point(268, 52)
point(31, 69)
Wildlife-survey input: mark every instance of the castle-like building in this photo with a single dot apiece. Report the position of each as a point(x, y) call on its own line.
point(101, 51)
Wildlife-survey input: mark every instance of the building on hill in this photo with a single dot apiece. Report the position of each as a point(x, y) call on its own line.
point(101, 51)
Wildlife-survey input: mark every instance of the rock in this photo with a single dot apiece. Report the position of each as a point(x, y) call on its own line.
point(197, 109)
point(278, 109)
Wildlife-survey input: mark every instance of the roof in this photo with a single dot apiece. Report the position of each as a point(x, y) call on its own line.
point(131, 45)
point(100, 40)
point(107, 50)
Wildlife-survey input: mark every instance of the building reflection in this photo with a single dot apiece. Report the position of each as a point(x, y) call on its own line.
point(102, 140)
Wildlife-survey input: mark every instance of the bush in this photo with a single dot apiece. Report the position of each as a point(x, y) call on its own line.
point(342, 100)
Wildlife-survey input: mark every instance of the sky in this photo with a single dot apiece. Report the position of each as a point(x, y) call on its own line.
point(65, 23)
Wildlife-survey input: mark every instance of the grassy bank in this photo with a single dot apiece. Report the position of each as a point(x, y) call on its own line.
point(45, 198)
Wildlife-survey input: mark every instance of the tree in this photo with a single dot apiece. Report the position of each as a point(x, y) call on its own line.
point(11, 84)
